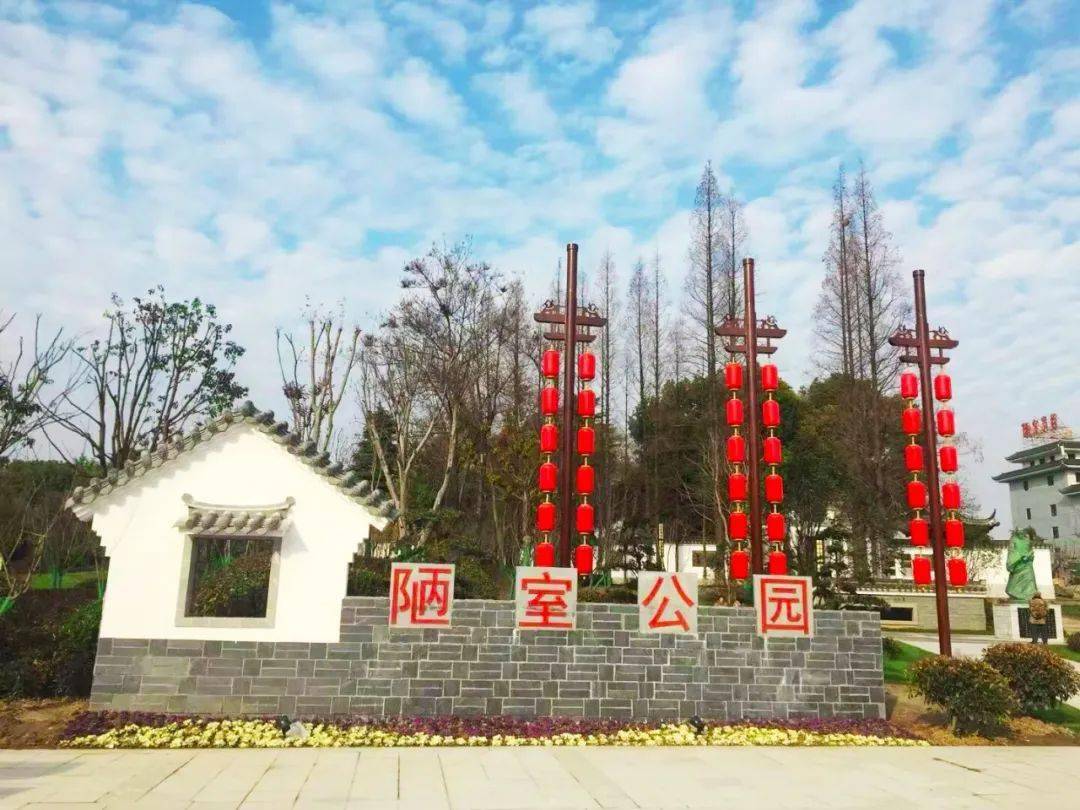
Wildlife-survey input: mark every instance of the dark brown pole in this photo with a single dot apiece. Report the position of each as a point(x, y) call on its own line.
point(753, 453)
point(566, 468)
point(941, 587)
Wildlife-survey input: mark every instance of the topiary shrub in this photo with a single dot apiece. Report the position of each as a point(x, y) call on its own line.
point(1038, 677)
point(973, 694)
point(1073, 642)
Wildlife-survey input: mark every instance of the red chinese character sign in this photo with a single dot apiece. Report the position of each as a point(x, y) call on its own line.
point(667, 603)
point(546, 598)
point(784, 605)
point(421, 594)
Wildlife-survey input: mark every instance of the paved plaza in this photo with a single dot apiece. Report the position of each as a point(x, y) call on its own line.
point(498, 779)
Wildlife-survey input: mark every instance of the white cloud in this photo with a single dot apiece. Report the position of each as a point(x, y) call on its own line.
point(423, 96)
point(526, 105)
point(568, 31)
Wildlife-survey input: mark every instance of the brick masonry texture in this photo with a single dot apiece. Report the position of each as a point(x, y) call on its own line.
point(484, 666)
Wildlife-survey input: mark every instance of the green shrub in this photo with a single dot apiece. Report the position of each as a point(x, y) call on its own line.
point(1038, 677)
point(1073, 642)
point(617, 594)
point(238, 588)
point(890, 647)
point(974, 695)
point(76, 646)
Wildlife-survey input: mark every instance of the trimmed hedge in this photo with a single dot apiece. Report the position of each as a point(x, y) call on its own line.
point(973, 694)
point(1038, 677)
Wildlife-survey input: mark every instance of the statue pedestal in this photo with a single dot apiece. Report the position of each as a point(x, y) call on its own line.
point(1010, 623)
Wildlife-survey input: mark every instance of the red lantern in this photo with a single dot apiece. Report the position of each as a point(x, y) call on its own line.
point(913, 457)
point(950, 495)
point(583, 559)
point(586, 402)
point(734, 412)
point(958, 576)
point(919, 530)
point(916, 495)
point(549, 438)
point(733, 376)
point(736, 487)
point(544, 554)
point(954, 533)
point(549, 400)
point(775, 527)
point(770, 413)
point(909, 385)
point(740, 564)
point(545, 516)
point(770, 377)
point(946, 422)
point(947, 456)
point(549, 364)
point(777, 563)
point(586, 365)
point(943, 387)
point(549, 476)
point(737, 525)
point(911, 421)
point(736, 449)
point(586, 479)
point(772, 450)
point(586, 441)
point(585, 518)
point(774, 488)
point(920, 569)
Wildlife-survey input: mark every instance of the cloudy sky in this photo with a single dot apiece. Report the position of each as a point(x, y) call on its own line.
point(258, 154)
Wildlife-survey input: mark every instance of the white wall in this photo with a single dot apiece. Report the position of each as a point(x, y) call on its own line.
point(239, 467)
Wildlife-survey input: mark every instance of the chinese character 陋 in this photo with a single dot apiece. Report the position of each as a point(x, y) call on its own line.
point(784, 605)
point(421, 594)
point(667, 603)
point(546, 598)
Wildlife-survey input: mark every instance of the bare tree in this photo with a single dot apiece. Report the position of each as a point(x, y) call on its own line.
point(26, 406)
point(315, 372)
point(706, 259)
point(733, 237)
point(160, 366)
point(392, 387)
point(835, 311)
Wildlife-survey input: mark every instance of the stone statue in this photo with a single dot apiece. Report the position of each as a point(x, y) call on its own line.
point(1020, 564)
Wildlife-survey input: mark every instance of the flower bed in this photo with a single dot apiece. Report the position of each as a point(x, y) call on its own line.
point(142, 730)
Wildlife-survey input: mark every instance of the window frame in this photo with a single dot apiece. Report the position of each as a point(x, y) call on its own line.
point(187, 583)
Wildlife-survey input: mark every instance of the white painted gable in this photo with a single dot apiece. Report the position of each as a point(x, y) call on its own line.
point(243, 466)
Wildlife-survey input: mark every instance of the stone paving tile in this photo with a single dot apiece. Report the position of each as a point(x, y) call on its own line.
point(549, 778)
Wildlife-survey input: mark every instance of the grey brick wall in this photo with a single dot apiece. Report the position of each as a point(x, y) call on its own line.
point(482, 665)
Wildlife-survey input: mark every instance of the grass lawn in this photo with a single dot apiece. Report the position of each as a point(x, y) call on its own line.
point(1063, 715)
point(896, 668)
point(1065, 652)
point(1071, 609)
point(44, 582)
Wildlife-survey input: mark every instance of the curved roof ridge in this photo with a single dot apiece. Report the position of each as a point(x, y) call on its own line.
point(348, 480)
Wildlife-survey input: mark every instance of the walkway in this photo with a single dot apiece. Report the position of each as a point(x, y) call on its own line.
point(505, 779)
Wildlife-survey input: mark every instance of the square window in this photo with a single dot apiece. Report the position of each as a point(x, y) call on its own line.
point(1053, 510)
point(1025, 486)
point(1054, 532)
point(697, 558)
point(1028, 513)
point(230, 580)
point(1050, 480)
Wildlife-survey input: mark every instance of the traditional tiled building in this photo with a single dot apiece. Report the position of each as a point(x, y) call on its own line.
point(1044, 490)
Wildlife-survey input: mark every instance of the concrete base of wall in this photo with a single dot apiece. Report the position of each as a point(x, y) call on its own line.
point(484, 666)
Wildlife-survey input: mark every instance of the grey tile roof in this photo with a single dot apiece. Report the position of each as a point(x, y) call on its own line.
point(348, 480)
point(248, 521)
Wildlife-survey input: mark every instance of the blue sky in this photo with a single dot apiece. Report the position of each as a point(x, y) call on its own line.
point(258, 154)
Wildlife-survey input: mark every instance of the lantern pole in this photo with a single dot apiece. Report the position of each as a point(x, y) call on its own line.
point(753, 449)
point(937, 541)
point(566, 466)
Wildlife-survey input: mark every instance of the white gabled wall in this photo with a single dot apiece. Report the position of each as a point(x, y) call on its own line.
point(239, 467)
